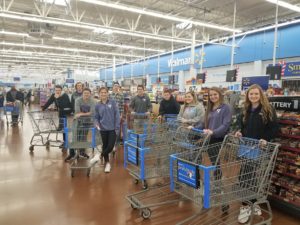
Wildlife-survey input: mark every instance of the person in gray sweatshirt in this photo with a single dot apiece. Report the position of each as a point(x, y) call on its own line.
point(107, 120)
point(192, 112)
point(83, 114)
point(141, 102)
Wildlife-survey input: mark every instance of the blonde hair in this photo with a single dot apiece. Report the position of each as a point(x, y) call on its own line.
point(266, 108)
point(194, 102)
point(210, 104)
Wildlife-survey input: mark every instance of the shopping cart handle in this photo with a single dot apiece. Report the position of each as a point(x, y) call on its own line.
point(198, 130)
point(140, 114)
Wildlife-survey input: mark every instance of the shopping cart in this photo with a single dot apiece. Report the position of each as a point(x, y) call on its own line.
point(82, 136)
point(139, 122)
point(242, 173)
point(13, 112)
point(45, 124)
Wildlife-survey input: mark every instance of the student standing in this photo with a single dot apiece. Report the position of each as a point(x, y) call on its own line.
point(192, 112)
point(77, 94)
point(108, 122)
point(83, 114)
point(168, 105)
point(258, 121)
point(118, 97)
point(141, 102)
point(63, 104)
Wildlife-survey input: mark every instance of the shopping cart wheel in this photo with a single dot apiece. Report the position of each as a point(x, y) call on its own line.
point(72, 173)
point(146, 213)
point(31, 148)
point(145, 184)
point(136, 181)
point(132, 206)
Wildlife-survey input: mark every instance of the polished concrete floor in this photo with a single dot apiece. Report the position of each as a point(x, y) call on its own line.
point(37, 189)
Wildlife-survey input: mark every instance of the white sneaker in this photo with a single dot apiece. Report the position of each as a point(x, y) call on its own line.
point(245, 212)
point(107, 168)
point(257, 210)
point(95, 159)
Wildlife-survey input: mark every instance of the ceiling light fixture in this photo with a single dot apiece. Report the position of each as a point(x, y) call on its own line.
point(89, 26)
point(65, 49)
point(159, 15)
point(285, 5)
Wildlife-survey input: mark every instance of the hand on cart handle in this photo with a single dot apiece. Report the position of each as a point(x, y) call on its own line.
point(238, 134)
point(208, 131)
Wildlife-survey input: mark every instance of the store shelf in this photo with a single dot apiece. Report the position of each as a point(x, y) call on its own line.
point(290, 122)
point(290, 149)
point(290, 162)
point(297, 190)
point(290, 136)
point(286, 200)
point(291, 208)
point(288, 174)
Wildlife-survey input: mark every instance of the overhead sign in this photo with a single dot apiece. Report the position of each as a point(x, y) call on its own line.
point(288, 103)
point(179, 62)
point(263, 81)
point(292, 69)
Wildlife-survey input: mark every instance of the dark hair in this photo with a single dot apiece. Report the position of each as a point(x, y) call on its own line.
point(87, 89)
point(141, 86)
point(168, 91)
point(103, 88)
point(116, 82)
point(58, 86)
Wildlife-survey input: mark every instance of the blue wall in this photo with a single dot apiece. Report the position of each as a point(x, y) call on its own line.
point(253, 47)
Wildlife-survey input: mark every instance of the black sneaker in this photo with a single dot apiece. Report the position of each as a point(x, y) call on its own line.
point(84, 155)
point(69, 158)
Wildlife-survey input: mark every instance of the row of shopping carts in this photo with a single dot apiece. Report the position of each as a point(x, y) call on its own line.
point(214, 176)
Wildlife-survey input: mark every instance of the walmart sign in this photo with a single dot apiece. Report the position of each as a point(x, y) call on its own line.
point(179, 62)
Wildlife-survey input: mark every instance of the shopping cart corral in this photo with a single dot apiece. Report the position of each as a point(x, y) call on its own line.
point(13, 113)
point(242, 173)
point(46, 129)
point(83, 136)
point(153, 162)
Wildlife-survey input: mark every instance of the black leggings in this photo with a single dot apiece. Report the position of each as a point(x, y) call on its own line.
point(108, 140)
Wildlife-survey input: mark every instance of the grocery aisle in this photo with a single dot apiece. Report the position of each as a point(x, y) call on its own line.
point(37, 189)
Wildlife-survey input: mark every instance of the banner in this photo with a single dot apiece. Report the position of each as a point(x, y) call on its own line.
point(288, 103)
point(263, 81)
point(292, 69)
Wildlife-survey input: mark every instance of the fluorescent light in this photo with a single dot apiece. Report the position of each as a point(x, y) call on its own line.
point(50, 64)
point(83, 57)
point(102, 31)
point(65, 49)
point(13, 33)
point(52, 59)
point(89, 26)
point(285, 5)
point(158, 15)
point(56, 2)
point(106, 44)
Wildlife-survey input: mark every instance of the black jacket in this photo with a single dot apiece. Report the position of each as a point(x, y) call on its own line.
point(19, 96)
point(62, 103)
point(169, 107)
point(255, 128)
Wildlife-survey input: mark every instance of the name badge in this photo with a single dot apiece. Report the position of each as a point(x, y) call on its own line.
point(109, 106)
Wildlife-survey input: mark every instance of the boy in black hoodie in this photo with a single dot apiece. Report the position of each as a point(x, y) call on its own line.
point(63, 104)
point(168, 105)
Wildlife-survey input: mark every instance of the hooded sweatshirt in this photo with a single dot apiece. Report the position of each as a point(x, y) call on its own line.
point(170, 106)
point(192, 114)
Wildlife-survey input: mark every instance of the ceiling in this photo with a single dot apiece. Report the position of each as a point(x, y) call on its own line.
point(89, 36)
